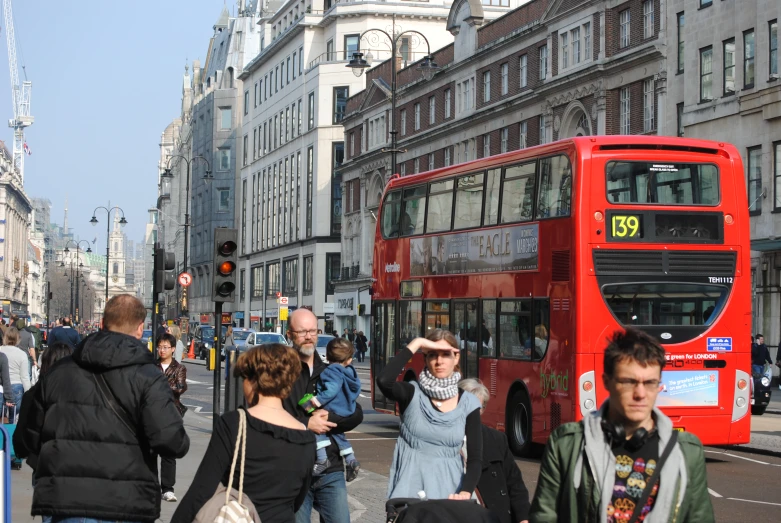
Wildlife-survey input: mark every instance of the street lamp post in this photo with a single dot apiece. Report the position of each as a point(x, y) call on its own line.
point(79, 265)
point(122, 222)
point(168, 175)
point(427, 67)
point(71, 279)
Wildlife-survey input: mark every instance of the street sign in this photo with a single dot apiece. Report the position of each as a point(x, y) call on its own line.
point(283, 313)
point(283, 300)
point(279, 294)
point(185, 279)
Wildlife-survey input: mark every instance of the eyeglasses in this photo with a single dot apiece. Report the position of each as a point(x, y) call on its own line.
point(164, 347)
point(630, 383)
point(303, 333)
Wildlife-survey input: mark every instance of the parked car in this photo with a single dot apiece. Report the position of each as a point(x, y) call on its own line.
point(259, 338)
point(760, 391)
point(240, 336)
point(205, 339)
point(322, 342)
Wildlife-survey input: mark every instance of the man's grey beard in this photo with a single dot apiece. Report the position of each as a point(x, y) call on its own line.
point(306, 351)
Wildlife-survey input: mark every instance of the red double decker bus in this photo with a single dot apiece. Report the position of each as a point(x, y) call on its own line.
point(534, 258)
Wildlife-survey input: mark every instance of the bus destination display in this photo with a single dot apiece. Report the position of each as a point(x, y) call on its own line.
point(625, 227)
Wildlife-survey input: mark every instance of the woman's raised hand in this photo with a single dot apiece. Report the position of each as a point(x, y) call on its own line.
point(423, 343)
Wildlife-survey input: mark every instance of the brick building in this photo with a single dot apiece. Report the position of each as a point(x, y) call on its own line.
point(547, 70)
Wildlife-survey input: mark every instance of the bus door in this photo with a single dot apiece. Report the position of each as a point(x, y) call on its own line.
point(467, 332)
point(383, 347)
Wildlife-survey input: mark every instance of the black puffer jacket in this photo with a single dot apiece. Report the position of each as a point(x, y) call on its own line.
point(89, 462)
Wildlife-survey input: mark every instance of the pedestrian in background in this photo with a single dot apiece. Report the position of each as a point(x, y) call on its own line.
point(26, 342)
point(65, 333)
point(328, 493)
point(99, 422)
point(176, 332)
point(229, 341)
point(500, 488)
point(279, 451)
point(435, 417)
point(176, 374)
point(606, 466)
point(361, 345)
point(759, 355)
point(18, 367)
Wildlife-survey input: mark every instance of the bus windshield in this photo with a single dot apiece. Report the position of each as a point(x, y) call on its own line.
point(662, 183)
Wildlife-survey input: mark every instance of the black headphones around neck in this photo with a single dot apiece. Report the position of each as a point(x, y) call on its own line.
point(616, 435)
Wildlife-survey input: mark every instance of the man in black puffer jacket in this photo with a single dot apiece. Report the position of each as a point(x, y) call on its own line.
point(97, 447)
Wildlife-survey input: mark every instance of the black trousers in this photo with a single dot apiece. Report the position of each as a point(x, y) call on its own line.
point(167, 474)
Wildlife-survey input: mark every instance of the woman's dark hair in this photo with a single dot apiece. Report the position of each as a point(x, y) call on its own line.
point(271, 369)
point(170, 338)
point(55, 352)
point(633, 345)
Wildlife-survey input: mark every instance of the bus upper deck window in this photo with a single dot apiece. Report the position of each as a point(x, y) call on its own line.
point(662, 183)
point(518, 192)
point(555, 187)
point(390, 215)
point(469, 201)
point(414, 211)
point(493, 183)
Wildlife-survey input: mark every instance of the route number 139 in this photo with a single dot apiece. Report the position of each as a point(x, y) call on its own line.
point(625, 227)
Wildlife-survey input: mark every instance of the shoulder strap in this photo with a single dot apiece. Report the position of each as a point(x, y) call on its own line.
point(655, 478)
point(113, 404)
point(241, 447)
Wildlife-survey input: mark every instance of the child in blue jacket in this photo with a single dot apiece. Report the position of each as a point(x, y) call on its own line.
point(337, 390)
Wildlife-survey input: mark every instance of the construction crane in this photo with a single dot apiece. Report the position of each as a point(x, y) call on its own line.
point(20, 94)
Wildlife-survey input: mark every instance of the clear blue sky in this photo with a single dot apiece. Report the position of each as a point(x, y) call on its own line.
point(107, 80)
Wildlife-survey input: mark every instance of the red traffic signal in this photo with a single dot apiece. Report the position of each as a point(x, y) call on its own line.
point(225, 263)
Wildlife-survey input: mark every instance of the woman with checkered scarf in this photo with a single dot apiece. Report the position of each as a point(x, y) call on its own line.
point(435, 417)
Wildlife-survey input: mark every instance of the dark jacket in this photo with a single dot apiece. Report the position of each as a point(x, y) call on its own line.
point(20, 448)
point(760, 354)
point(447, 511)
point(176, 374)
point(501, 483)
point(361, 343)
point(90, 464)
point(306, 384)
point(5, 379)
point(338, 389)
point(67, 335)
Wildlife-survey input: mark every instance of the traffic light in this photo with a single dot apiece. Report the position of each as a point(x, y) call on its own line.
point(165, 263)
point(225, 262)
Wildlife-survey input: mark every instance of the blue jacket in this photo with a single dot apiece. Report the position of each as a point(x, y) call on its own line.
point(338, 389)
point(67, 335)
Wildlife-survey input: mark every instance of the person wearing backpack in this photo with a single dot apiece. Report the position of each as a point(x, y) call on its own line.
point(624, 462)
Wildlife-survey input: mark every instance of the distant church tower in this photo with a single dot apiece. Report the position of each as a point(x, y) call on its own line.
point(117, 262)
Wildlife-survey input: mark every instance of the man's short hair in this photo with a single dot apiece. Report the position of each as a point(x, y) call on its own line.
point(170, 338)
point(339, 350)
point(759, 336)
point(123, 313)
point(633, 345)
point(65, 321)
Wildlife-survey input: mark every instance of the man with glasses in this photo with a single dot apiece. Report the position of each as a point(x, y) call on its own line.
point(327, 493)
point(624, 462)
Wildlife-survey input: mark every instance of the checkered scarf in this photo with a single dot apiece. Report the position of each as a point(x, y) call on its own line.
point(439, 388)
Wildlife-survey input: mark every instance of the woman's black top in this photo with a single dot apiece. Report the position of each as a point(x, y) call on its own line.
point(277, 470)
point(402, 392)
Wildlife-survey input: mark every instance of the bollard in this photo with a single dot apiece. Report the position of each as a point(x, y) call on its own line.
point(210, 362)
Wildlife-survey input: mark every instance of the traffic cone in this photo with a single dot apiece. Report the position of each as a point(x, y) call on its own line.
point(191, 353)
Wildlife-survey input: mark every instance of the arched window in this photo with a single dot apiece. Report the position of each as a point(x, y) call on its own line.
point(116, 268)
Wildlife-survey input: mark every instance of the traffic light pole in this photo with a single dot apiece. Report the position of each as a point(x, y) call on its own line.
point(217, 363)
point(155, 292)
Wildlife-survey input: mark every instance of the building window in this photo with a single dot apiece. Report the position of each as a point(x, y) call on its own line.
point(447, 156)
point(447, 103)
point(340, 103)
point(310, 154)
point(706, 74)
point(505, 73)
point(648, 106)
point(351, 44)
point(244, 198)
point(432, 110)
point(648, 18)
point(287, 72)
point(225, 117)
point(706, 3)
point(308, 275)
point(242, 284)
point(337, 159)
point(223, 159)
point(564, 50)
point(352, 144)
point(333, 264)
point(543, 62)
point(748, 59)
point(523, 133)
point(256, 282)
point(486, 145)
point(329, 51)
point(416, 165)
point(487, 86)
point(294, 65)
point(255, 143)
point(523, 66)
point(417, 116)
point(679, 115)
point(430, 161)
point(773, 54)
point(245, 149)
point(623, 18)
point(777, 174)
point(255, 99)
point(680, 41)
point(290, 276)
point(224, 202)
point(403, 120)
point(403, 169)
point(587, 41)
point(541, 130)
point(624, 111)
point(755, 180)
point(301, 60)
point(729, 66)
point(311, 108)
point(272, 279)
point(465, 95)
point(575, 34)
point(246, 104)
point(505, 133)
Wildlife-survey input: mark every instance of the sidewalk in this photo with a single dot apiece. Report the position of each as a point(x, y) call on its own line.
point(366, 495)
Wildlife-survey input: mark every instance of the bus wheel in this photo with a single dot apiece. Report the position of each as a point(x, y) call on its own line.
point(519, 424)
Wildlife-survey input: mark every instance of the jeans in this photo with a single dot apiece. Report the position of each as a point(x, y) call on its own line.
point(755, 369)
point(323, 441)
point(18, 391)
point(328, 496)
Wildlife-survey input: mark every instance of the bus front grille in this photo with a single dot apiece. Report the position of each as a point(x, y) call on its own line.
point(664, 263)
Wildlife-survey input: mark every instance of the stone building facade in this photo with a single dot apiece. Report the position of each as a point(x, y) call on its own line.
point(15, 221)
